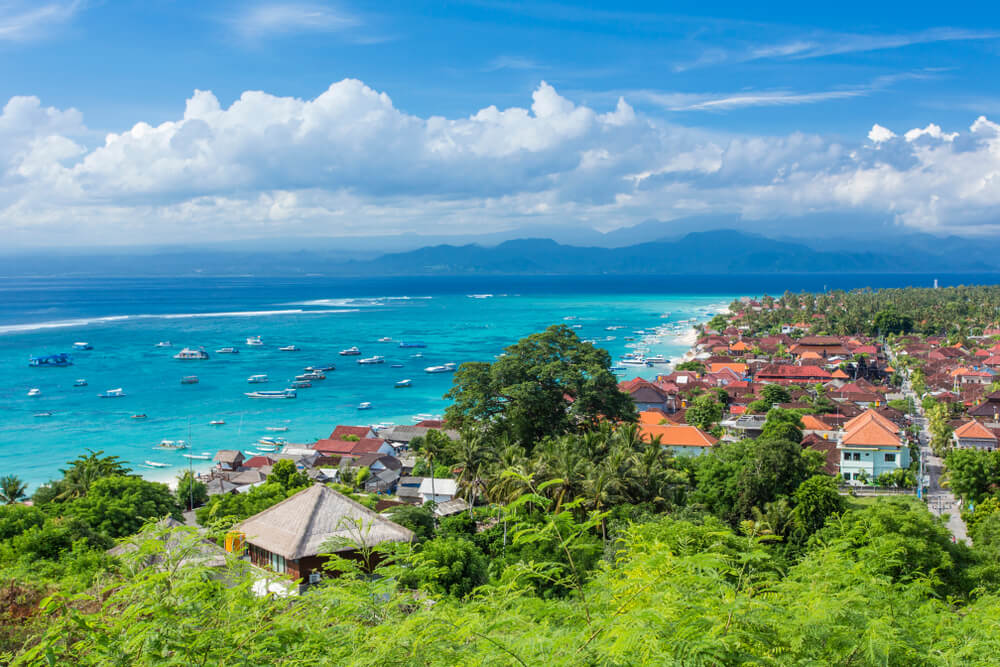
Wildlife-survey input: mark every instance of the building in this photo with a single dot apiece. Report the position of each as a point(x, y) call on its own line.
point(229, 459)
point(973, 435)
point(870, 445)
point(789, 374)
point(437, 489)
point(743, 427)
point(289, 537)
point(680, 439)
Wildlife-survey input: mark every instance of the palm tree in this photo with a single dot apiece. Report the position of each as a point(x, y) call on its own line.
point(85, 470)
point(12, 489)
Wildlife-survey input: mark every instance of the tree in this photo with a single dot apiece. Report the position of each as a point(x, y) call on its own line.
point(890, 321)
point(191, 492)
point(119, 505)
point(447, 566)
point(12, 489)
point(937, 417)
point(816, 499)
point(690, 365)
point(774, 394)
point(417, 518)
point(544, 385)
point(83, 471)
point(288, 476)
point(705, 412)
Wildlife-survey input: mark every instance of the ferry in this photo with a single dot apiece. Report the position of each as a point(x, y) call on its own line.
point(350, 352)
point(289, 348)
point(446, 368)
point(51, 361)
point(34, 391)
point(372, 360)
point(172, 444)
point(282, 393)
point(82, 346)
point(198, 457)
point(189, 354)
point(301, 384)
point(412, 344)
point(157, 464)
point(364, 406)
point(112, 393)
point(635, 361)
point(228, 350)
point(254, 341)
point(164, 343)
point(217, 422)
point(257, 379)
point(189, 379)
point(403, 383)
point(80, 383)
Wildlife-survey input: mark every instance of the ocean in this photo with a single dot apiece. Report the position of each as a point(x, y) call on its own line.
point(458, 319)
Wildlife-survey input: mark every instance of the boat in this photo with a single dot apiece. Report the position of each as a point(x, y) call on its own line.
point(257, 379)
point(43, 414)
point(34, 391)
point(395, 365)
point(282, 393)
point(164, 343)
point(271, 441)
point(254, 341)
point(418, 355)
point(350, 352)
point(403, 383)
point(265, 449)
point(51, 361)
point(364, 406)
point(187, 354)
point(172, 444)
point(112, 393)
point(80, 383)
point(198, 457)
point(139, 416)
point(372, 360)
point(635, 361)
point(314, 375)
point(157, 464)
point(657, 359)
point(385, 339)
point(228, 350)
point(189, 379)
point(289, 348)
point(276, 429)
point(446, 368)
point(217, 422)
point(82, 346)
point(326, 368)
point(301, 384)
point(415, 343)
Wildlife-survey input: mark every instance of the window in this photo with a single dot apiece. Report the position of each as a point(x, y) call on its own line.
point(847, 456)
point(276, 562)
point(857, 456)
point(890, 458)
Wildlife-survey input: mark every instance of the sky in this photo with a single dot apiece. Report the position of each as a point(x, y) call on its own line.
point(169, 121)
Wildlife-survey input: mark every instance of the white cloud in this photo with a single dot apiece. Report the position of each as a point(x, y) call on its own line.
point(349, 161)
point(23, 21)
point(272, 19)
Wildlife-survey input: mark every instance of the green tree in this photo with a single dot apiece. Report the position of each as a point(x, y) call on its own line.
point(690, 365)
point(12, 489)
point(119, 505)
point(417, 518)
point(285, 473)
point(546, 384)
point(191, 492)
point(704, 412)
point(816, 499)
point(890, 321)
point(774, 394)
point(447, 566)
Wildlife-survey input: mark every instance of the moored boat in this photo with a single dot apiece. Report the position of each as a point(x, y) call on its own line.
point(112, 393)
point(228, 350)
point(385, 339)
point(276, 429)
point(372, 360)
point(157, 464)
point(403, 383)
point(197, 457)
point(188, 354)
point(172, 444)
point(350, 352)
point(254, 341)
point(60, 360)
point(301, 384)
point(217, 422)
point(364, 406)
point(189, 379)
point(80, 383)
point(445, 368)
point(414, 343)
point(260, 378)
point(139, 416)
point(164, 343)
point(34, 391)
point(281, 393)
point(82, 346)
point(289, 348)
point(43, 414)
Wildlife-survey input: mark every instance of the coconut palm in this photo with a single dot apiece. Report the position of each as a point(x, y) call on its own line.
point(12, 489)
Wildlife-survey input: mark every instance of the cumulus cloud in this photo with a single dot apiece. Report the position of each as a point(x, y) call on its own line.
point(349, 161)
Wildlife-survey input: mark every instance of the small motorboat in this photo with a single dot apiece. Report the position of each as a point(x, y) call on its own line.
point(82, 346)
point(257, 379)
point(112, 393)
point(372, 360)
point(403, 383)
point(301, 384)
point(189, 379)
point(139, 416)
point(282, 393)
point(228, 350)
point(43, 414)
point(60, 360)
point(326, 368)
point(350, 352)
point(197, 457)
point(157, 464)
point(254, 341)
point(365, 406)
point(34, 391)
point(80, 383)
point(164, 343)
point(445, 368)
point(415, 343)
point(172, 444)
point(269, 441)
point(276, 429)
point(385, 339)
point(217, 422)
point(289, 348)
point(395, 365)
point(187, 354)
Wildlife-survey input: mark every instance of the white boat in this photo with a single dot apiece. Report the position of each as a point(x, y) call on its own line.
point(266, 449)
point(80, 383)
point(34, 391)
point(395, 365)
point(189, 379)
point(289, 348)
point(188, 354)
point(657, 359)
point(112, 393)
point(403, 383)
point(350, 352)
point(385, 339)
point(82, 346)
point(372, 360)
point(276, 429)
point(157, 464)
point(446, 368)
point(44, 414)
point(254, 341)
point(364, 406)
point(313, 375)
point(217, 422)
point(228, 350)
point(301, 384)
point(172, 444)
point(260, 378)
point(164, 343)
point(635, 361)
point(283, 393)
point(197, 457)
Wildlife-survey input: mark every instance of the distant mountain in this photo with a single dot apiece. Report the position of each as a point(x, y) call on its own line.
point(706, 252)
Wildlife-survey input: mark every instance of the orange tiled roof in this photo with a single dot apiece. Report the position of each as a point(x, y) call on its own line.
point(811, 423)
point(739, 346)
point(736, 367)
point(840, 375)
point(653, 418)
point(809, 354)
point(682, 435)
point(870, 415)
point(975, 430)
point(872, 434)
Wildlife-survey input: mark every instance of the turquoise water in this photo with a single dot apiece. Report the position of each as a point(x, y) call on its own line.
point(124, 321)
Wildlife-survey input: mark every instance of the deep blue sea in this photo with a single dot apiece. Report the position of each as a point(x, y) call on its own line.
point(459, 319)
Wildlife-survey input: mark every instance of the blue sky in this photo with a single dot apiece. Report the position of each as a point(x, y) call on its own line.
point(729, 108)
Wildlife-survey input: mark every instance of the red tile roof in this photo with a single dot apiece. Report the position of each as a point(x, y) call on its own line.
point(341, 431)
point(974, 430)
point(678, 436)
point(258, 462)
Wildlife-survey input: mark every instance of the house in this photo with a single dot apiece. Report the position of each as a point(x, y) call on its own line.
point(451, 507)
point(973, 435)
point(739, 369)
point(244, 477)
point(437, 489)
point(870, 445)
point(988, 409)
point(680, 440)
point(824, 346)
point(289, 537)
point(352, 448)
point(408, 489)
point(813, 424)
point(403, 435)
point(828, 448)
point(217, 486)
point(355, 431)
point(229, 459)
point(648, 396)
point(743, 427)
point(789, 374)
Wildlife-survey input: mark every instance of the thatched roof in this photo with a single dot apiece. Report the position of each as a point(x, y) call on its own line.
point(178, 542)
point(299, 526)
